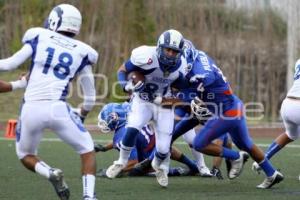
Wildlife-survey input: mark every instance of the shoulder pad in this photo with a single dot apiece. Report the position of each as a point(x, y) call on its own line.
point(93, 55)
point(31, 34)
point(90, 52)
point(143, 55)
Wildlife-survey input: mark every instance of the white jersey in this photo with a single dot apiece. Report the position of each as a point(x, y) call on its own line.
point(56, 59)
point(295, 89)
point(158, 82)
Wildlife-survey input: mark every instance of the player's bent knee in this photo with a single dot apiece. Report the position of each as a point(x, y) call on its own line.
point(292, 136)
point(198, 146)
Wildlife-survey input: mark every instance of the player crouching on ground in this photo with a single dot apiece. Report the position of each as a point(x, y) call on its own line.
point(112, 118)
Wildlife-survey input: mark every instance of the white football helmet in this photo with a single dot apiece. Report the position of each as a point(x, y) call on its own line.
point(171, 39)
point(65, 18)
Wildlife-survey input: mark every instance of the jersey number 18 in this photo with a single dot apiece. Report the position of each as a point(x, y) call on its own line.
point(62, 69)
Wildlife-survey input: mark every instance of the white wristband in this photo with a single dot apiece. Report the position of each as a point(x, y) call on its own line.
point(158, 100)
point(19, 84)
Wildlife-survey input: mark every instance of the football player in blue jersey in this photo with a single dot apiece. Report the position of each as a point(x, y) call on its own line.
point(112, 118)
point(56, 58)
point(160, 65)
point(215, 105)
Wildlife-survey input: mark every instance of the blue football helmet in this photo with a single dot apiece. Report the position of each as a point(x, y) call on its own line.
point(112, 116)
point(190, 51)
point(170, 39)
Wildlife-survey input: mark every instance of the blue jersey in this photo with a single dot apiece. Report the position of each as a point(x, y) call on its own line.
point(208, 82)
point(144, 145)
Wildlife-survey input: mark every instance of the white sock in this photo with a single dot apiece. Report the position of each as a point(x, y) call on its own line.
point(88, 182)
point(199, 158)
point(42, 168)
point(124, 154)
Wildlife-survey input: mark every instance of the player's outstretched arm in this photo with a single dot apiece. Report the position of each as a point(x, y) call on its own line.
point(17, 59)
point(103, 148)
point(87, 83)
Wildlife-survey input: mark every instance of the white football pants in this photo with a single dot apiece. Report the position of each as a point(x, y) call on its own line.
point(55, 115)
point(290, 113)
point(143, 112)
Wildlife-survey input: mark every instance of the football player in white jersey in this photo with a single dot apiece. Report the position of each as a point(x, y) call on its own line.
point(56, 59)
point(160, 65)
point(290, 109)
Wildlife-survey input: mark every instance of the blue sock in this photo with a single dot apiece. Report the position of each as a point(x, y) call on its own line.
point(191, 164)
point(130, 136)
point(273, 149)
point(230, 154)
point(152, 154)
point(173, 172)
point(267, 167)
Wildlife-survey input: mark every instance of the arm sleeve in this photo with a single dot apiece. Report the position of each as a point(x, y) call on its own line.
point(122, 78)
point(87, 83)
point(122, 75)
point(129, 66)
point(17, 59)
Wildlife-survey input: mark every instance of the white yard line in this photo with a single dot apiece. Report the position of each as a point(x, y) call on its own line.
point(106, 141)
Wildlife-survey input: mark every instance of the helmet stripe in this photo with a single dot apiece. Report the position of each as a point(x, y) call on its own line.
point(167, 37)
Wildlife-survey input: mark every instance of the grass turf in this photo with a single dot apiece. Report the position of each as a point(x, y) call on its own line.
point(19, 184)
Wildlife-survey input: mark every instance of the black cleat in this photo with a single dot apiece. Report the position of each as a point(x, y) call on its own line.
point(60, 186)
point(217, 173)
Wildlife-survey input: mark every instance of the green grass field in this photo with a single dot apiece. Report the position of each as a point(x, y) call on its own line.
point(19, 184)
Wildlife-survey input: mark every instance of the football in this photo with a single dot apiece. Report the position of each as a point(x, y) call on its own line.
point(136, 76)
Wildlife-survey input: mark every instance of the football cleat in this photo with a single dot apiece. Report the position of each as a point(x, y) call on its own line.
point(256, 168)
point(101, 173)
point(60, 186)
point(144, 165)
point(89, 198)
point(204, 171)
point(141, 168)
point(277, 177)
point(161, 175)
point(238, 165)
point(228, 166)
point(217, 173)
point(114, 170)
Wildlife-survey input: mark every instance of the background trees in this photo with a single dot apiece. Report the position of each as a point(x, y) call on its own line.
point(250, 49)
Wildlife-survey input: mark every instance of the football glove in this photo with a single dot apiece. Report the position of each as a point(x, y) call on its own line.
point(152, 98)
point(131, 87)
point(199, 109)
point(77, 112)
point(99, 147)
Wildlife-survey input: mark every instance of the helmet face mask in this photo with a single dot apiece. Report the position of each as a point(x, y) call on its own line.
point(111, 117)
point(64, 18)
point(170, 48)
point(109, 123)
